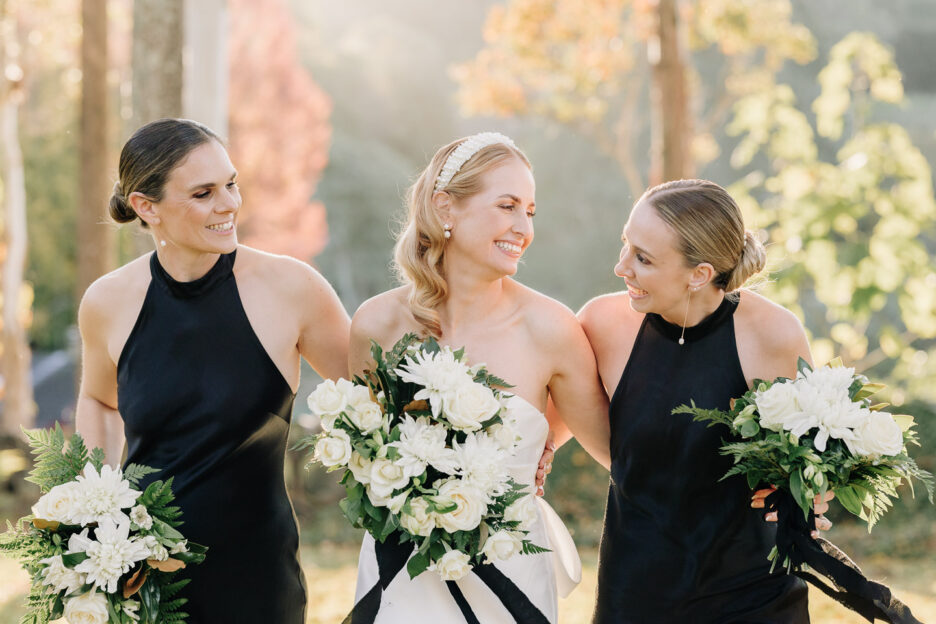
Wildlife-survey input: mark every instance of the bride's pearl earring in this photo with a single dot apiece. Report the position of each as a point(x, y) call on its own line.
point(162, 243)
point(448, 230)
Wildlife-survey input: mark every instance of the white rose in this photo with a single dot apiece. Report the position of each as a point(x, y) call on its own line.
point(327, 401)
point(90, 608)
point(501, 546)
point(58, 504)
point(470, 506)
point(418, 521)
point(880, 435)
point(386, 477)
point(469, 405)
point(376, 499)
point(141, 517)
point(453, 565)
point(366, 416)
point(776, 405)
point(522, 511)
point(334, 449)
point(360, 467)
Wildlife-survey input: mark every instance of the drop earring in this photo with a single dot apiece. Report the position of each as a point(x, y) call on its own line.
point(682, 335)
point(448, 230)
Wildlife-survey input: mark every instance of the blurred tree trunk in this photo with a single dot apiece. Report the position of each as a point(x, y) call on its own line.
point(19, 409)
point(95, 240)
point(671, 128)
point(157, 68)
point(205, 82)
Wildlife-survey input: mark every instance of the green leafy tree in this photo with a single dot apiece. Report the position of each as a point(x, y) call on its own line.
point(850, 234)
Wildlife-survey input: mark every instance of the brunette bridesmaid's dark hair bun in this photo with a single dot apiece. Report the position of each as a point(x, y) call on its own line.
point(147, 159)
point(120, 210)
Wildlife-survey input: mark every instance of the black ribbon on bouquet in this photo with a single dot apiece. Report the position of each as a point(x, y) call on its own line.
point(391, 560)
point(794, 542)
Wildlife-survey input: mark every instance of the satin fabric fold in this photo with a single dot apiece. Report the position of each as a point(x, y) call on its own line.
point(852, 589)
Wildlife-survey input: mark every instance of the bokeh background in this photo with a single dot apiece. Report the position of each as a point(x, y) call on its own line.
point(820, 117)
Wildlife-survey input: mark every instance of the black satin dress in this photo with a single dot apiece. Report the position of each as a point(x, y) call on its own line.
point(678, 545)
point(202, 400)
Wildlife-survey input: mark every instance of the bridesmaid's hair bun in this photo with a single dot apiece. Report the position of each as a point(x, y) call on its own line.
point(709, 228)
point(753, 260)
point(120, 210)
point(149, 156)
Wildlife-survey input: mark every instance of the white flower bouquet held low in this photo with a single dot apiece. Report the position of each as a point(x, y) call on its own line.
point(817, 433)
point(99, 550)
point(422, 442)
point(820, 432)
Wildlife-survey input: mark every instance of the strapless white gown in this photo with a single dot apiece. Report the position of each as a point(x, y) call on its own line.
point(543, 577)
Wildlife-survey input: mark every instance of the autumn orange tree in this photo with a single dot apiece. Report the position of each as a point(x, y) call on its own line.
point(279, 131)
point(591, 65)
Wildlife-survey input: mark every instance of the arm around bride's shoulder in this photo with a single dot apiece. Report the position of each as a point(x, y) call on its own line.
point(770, 338)
point(574, 389)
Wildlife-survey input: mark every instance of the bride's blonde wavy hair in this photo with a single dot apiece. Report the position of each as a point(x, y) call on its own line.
point(420, 245)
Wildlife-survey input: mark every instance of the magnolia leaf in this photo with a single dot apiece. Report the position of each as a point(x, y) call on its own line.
point(878, 407)
point(836, 363)
point(51, 525)
point(802, 365)
point(135, 582)
point(169, 565)
point(413, 406)
point(869, 389)
point(904, 420)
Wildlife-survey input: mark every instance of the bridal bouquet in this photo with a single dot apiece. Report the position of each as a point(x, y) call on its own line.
point(820, 432)
point(815, 433)
point(99, 550)
point(422, 442)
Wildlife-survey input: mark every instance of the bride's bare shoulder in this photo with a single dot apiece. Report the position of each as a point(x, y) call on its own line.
point(609, 313)
point(383, 316)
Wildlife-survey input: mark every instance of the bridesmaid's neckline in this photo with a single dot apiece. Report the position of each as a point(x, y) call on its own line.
point(216, 275)
point(723, 312)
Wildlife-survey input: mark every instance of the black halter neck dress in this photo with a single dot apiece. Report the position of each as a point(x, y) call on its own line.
point(678, 544)
point(201, 400)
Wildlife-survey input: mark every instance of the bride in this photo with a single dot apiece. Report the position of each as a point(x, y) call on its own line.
point(470, 219)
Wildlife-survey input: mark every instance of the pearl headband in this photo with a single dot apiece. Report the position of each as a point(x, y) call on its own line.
point(463, 153)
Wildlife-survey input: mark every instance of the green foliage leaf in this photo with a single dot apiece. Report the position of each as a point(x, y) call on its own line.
point(417, 564)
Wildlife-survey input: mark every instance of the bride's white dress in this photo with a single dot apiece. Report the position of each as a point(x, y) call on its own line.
point(542, 577)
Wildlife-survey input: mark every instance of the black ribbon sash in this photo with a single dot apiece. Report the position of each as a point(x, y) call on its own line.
point(392, 558)
point(868, 598)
